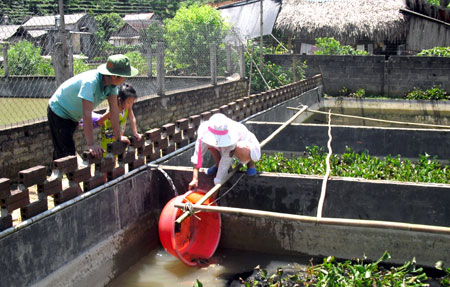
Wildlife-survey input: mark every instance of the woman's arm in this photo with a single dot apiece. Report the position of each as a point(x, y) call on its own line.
point(133, 125)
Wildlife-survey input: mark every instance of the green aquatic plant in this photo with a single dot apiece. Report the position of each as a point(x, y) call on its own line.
point(445, 280)
point(359, 273)
point(362, 164)
point(332, 272)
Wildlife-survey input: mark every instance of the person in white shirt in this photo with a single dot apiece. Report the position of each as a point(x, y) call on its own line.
point(225, 139)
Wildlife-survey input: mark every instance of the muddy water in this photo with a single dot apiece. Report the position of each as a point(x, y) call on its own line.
point(160, 269)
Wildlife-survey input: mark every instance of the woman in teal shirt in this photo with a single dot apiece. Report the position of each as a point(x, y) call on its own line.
point(77, 97)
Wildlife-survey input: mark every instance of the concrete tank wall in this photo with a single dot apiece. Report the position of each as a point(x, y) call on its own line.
point(89, 242)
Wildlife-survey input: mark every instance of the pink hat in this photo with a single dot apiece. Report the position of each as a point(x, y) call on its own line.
point(220, 132)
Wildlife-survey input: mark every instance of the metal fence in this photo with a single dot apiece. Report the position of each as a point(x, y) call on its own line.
point(33, 61)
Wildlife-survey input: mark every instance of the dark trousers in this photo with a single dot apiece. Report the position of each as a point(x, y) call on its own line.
point(62, 131)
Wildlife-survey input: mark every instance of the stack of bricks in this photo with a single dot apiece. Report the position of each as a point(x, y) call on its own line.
point(154, 144)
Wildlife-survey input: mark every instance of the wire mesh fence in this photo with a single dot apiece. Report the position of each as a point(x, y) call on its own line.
point(33, 65)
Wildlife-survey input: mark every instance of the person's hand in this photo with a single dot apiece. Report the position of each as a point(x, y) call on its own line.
point(138, 137)
point(193, 184)
point(125, 140)
point(95, 151)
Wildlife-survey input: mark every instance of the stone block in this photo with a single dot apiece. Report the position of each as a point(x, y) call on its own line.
point(153, 156)
point(66, 164)
point(177, 137)
point(5, 187)
point(182, 143)
point(146, 150)
point(87, 156)
point(107, 164)
point(182, 124)
point(67, 194)
point(195, 121)
point(93, 182)
point(127, 157)
point(168, 129)
point(33, 209)
point(19, 198)
point(168, 149)
point(153, 135)
point(137, 143)
point(79, 175)
point(32, 176)
point(5, 222)
point(137, 163)
point(116, 172)
point(50, 187)
point(116, 148)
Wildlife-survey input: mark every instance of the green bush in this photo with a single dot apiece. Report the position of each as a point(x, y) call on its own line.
point(330, 46)
point(25, 59)
point(436, 52)
point(434, 93)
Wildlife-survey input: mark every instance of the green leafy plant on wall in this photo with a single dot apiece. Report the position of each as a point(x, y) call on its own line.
point(330, 46)
point(435, 93)
point(435, 52)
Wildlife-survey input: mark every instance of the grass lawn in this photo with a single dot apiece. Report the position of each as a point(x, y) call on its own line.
point(19, 110)
point(22, 110)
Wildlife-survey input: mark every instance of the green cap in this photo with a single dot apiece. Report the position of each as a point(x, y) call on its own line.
point(118, 65)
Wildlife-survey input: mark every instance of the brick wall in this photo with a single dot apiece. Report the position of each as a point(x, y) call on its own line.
point(392, 78)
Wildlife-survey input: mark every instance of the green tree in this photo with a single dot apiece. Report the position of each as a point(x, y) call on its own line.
point(107, 24)
point(168, 8)
point(25, 59)
point(189, 36)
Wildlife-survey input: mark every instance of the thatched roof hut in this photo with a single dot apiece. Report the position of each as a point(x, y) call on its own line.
point(345, 20)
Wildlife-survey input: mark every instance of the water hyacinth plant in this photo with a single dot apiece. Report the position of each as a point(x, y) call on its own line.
point(350, 273)
point(353, 164)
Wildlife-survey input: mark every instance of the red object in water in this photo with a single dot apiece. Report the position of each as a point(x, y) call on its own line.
point(194, 238)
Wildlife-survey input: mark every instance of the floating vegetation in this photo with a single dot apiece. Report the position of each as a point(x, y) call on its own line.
point(352, 164)
point(344, 274)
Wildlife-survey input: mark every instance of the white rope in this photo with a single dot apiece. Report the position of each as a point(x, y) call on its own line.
point(327, 173)
point(375, 120)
